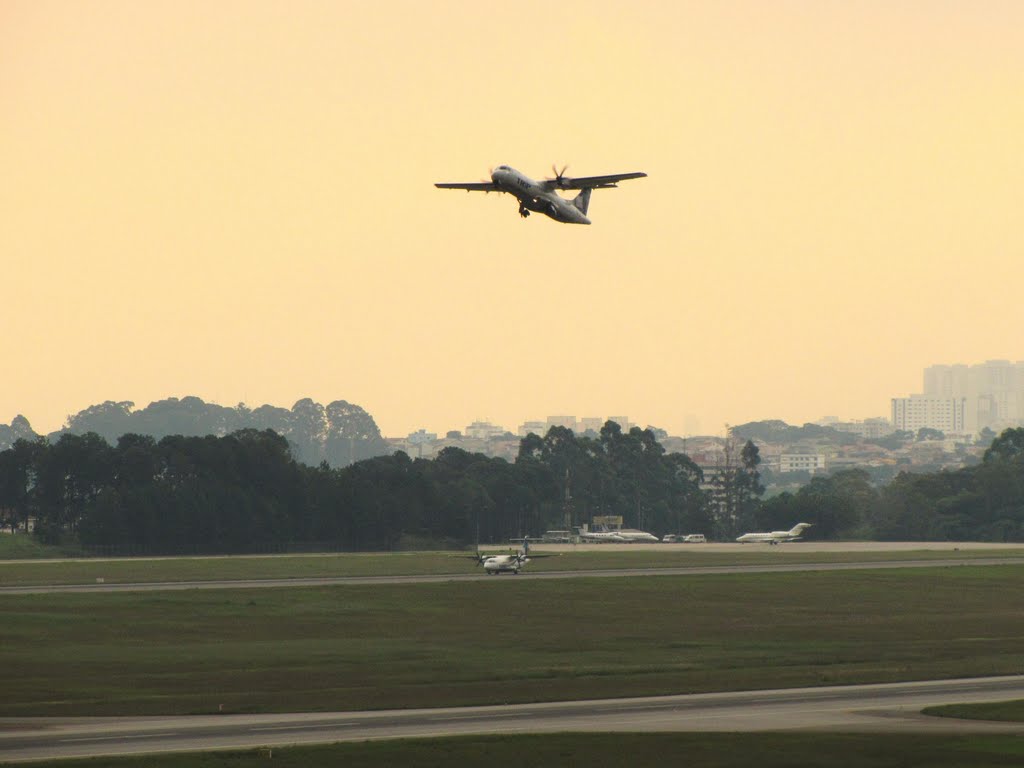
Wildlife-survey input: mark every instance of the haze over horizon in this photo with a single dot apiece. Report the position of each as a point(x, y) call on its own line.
point(235, 201)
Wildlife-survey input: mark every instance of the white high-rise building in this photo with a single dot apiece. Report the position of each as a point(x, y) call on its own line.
point(945, 381)
point(993, 391)
point(945, 414)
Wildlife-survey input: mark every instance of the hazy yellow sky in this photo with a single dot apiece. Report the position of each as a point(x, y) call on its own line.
point(235, 200)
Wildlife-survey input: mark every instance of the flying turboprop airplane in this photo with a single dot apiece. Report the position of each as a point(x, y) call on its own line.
point(775, 537)
point(494, 564)
point(540, 196)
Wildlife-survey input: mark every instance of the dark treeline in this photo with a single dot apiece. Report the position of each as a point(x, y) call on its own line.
point(245, 492)
point(978, 503)
point(339, 433)
point(775, 431)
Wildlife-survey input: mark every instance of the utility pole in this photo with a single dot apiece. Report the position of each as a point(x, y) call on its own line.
point(567, 506)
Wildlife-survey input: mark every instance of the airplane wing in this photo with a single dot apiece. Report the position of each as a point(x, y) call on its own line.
point(594, 182)
point(478, 186)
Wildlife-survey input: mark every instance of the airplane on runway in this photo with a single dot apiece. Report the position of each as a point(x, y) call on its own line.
point(541, 196)
point(774, 537)
point(495, 564)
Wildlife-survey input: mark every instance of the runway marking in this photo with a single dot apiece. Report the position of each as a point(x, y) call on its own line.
point(300, 727)
point(687, 570)
point(479, 716)
point(121, 738)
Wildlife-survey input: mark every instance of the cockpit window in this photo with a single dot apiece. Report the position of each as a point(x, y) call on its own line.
point(504, 168)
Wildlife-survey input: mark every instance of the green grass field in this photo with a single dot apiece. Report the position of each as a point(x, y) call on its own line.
point(1005, 711)
point(136, 570)
point(501, 640)
point(647, 750)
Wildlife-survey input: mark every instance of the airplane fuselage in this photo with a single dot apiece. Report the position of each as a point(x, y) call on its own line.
point(536, 197)
point(619, 536)
point(502, 564)
point(542, 196)
point(774, 537)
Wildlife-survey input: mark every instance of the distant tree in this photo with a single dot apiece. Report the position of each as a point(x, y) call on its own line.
point(18, 470)
point(109, 420)
point(985, 436)
point(926, 433)
point(352, 434)
point(308, 431)
point(71, 474)
point(775, 431)
point(892, 442)
point(18, 429)
point(1009, 445)
point(736, 487)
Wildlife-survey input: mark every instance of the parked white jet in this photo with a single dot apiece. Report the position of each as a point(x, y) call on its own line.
point(633, 536)
point(600, 535)
point(775, 537)
point(494, 564)
point(616, 535)
point(540, 196)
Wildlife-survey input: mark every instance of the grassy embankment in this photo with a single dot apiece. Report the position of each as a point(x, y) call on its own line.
point(1004, 711)
point(646, 750)
point(501, 640)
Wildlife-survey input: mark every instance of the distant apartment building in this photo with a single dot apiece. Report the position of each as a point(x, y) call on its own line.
point(993, 392)
point(579, 426)
point(945, 414)
point(483, 430)
point(945, 381)
point(417, 445)
point(562, 421)
point(802, 462)
point(421, 436)
point(536, 427)
point(869, 429)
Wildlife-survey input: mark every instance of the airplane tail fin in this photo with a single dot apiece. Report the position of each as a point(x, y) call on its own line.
point(524, 552)
point(582, 200)
point(799, 528)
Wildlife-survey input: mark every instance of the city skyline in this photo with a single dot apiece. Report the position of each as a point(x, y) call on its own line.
point(235, 201)
point(1001, 381)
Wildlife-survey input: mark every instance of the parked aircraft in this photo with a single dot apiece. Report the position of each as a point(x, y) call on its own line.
point(540, 196)
point(600, 535)
point(616, 535)
point(495, 564)
point(774, 537)
point(633, 536)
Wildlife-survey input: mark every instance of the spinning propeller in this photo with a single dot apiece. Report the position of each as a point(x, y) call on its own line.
point(559, 175)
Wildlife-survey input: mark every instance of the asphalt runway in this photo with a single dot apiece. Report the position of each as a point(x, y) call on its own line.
point(873, 708)
point(802, 546)
point(163, 586)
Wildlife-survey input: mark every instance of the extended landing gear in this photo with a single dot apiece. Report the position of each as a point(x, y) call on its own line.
point(523, 212)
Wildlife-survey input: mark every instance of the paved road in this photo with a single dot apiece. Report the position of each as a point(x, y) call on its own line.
point(894, 707)
point(477, 576)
